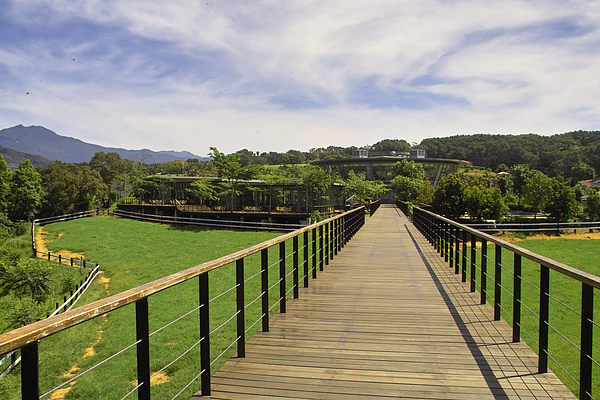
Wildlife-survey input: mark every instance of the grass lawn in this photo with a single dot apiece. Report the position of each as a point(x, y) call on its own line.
point(565, 302)
point(131, 253)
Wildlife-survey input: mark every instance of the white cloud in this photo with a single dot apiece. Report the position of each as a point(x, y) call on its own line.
point(270, 75)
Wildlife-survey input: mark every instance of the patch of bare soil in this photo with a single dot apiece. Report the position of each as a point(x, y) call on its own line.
point(512, 237)
point(40, 244)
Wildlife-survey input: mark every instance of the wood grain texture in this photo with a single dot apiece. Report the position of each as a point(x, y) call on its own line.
point(386, 319)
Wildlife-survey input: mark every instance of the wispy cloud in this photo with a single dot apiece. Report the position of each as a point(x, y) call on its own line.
point(272, 75)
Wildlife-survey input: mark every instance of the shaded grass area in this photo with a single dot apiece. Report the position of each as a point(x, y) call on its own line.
point(565, 300)
point(130, 254)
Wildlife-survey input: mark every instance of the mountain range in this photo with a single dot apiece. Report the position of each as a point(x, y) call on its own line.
point(46, 146)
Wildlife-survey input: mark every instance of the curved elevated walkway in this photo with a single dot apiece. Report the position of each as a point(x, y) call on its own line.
point(386, 319)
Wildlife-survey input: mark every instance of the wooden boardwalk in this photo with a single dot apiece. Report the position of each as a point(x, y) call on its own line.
point(386, 319)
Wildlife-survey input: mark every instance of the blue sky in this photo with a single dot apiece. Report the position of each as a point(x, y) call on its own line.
point(280, 75)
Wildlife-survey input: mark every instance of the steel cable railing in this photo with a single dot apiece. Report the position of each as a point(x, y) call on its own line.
point(320, 243)
point(540, 301)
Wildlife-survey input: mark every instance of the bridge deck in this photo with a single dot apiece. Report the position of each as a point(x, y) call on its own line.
point(387, 318)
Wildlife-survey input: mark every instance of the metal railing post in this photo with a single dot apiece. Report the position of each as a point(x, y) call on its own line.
point(464, 256)
point(295, 266)
point(305, 251)
point(516, 298)
point(30, 378)
point(587, 330)
point(497, 282)
point(321, 250)
point(483, 271)
point(314, 253)
point(241, 319)
point(543, 322)
point(264, 263)
point(143, 348)
point(204, 334)
point(282, 287)
point(473, 261)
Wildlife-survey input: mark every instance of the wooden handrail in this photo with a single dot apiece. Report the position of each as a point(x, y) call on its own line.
point(574, 273)
point(38, 330)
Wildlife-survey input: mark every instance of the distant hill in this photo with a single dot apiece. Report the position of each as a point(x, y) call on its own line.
point(13, 158)
point(39, 141)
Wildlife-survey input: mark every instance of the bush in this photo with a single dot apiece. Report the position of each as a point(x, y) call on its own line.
point(28, 277)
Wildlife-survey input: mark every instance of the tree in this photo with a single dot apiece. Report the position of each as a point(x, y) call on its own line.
point(410, 169)
point(230, 169)
point(26, 193)
point(449, 197)
point(109, 165)
point(5, 178)
point(363, 189)
point(406, 189)
point(26, 277)
point(484, 203)
point(560, 202)
point(399, 146)
point(592, 207)
point(536, 190)
point(201, 190)
point(411, 183)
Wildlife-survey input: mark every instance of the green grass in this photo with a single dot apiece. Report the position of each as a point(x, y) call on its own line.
point(130, 254)
point(579, 253)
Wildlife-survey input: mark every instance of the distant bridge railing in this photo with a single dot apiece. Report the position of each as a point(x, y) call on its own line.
point(274, 282)
point(536, 226)
point(563, 333)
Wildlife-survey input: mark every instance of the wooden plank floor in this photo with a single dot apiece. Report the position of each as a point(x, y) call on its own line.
point(386, 319)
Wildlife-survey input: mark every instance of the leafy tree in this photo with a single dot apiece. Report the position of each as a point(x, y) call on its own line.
point(26, 193)
point(400, 146)
point(26, 277)
point(592, 207)
point(313, 179)
point(109, 165)
point(24, 311)
point(202, 190)
point(406, 189)
point(449, 197)
point(484, 203)
point(536, 191)
point(363, 189)
point(520, 175)
point(5, 178)
point(229, 168)
point(581, 172)
point(70, 188)
point(410, 169)
point(560, 203)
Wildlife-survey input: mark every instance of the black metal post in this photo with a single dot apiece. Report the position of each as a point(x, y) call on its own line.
point(457, 252)
point(497, 282)
point(517, 298)
point(587, 330)
point(204, 334)
point(544, 312)
point(143, 348)
point(327, 240)
point(282, 291)
point(264, 261)
point(321, 255)
point(295, 266)
point(241, 319)
point(450, 256)
point(483, 271)
point(30, 378)
point(464, 256)
point(314, 253)
point(473, 260)
point(305, 251)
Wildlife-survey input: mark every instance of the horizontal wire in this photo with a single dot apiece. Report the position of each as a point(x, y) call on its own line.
point(178, 358)
point(225, 351)
point(255, 322)
point(188, 385)
point(224, 293)
point(174, 321)
point(225, 323)
point(90, 369)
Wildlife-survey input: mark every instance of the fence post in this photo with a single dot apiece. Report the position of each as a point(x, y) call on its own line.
point(264, 260)
point(483, 271)
point(241, 319)
point(327, 242)
point(587, 330)
point(282, 291)
point(204, 334)
point(543, 323)
point(450, 256)
point(473, 260)
point(464, 256)
point(295, 266)
point(305, 253)
point(517, 298)
point(321, 255)
point(30, 379)
point(497, 282)
point(142, 348)
point(457, 252)
point(314, 253)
